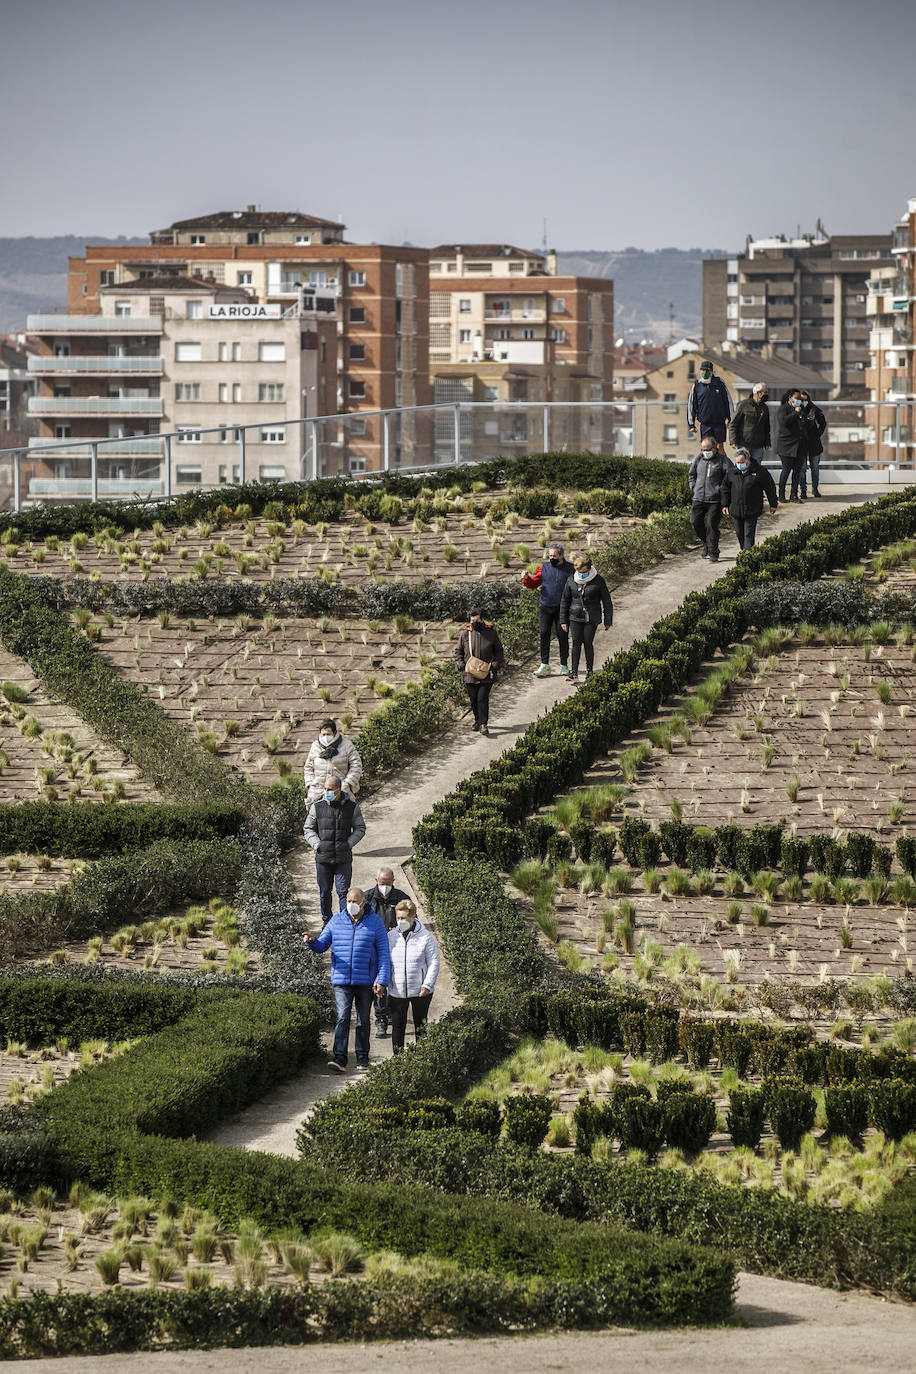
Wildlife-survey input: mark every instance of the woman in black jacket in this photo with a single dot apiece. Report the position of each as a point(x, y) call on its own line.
point(791, 443)
point(585, 598)
point(479, 640)
point(743, 488)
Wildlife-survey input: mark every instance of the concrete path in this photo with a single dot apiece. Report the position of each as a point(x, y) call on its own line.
point(789, 1328)
point(393, 810)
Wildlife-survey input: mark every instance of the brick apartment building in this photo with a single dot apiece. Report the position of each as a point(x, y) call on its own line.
point(891, 373)
point(801, 300)
point(504, 327)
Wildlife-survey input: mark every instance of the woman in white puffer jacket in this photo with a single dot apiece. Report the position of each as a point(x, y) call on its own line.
point(414, 970)
point(331, 752)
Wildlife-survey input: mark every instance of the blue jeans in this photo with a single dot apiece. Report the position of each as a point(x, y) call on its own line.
point(345, 995)
point(758, 454)
point(795, 467)
point(815, 462)
point(332, 876)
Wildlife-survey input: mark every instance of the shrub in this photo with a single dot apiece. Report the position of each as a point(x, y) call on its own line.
point(893, 1107)
point(640, 1125)
point(527, 1118)
point(696, 1040)
point(733, 1047)
point(430, 1114)
point(661, 1033)
point(481, 1115)
point(689, 1121)
point(790, 1107)
point(591, 1120)
point(846, 1108)
point(794, 857)
point(745, 1116)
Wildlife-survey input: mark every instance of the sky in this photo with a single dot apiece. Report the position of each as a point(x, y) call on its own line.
point(651, 123)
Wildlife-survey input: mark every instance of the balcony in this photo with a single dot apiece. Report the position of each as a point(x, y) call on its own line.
point(515, 316)
point(150, 365)
point(77, 488)
point(95, 405)
point(108, 448)
point(94, 324)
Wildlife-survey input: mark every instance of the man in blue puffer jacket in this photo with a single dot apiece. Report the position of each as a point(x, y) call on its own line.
point(360, 966)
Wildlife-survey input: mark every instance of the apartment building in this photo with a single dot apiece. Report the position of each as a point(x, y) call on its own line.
point(376, 294)
point(801, 300)
point(183, 354)
point(504, 327)
point(891, 373)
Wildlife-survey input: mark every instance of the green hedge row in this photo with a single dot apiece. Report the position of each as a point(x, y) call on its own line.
point(85, 830)
point(41, 1010)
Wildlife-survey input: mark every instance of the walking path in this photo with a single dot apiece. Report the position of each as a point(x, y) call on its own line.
point(787, 1327)
point(393, 810)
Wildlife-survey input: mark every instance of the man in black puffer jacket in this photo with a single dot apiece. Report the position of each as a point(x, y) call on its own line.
point(705, 481)
point(333, 827)
point(743, 488)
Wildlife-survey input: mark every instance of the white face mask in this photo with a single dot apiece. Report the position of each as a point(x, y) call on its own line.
point(404, 926)
point(327, 739)
point(384, 888)
point(354, 908)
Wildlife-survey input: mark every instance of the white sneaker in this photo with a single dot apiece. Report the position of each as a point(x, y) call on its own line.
point(543, 671)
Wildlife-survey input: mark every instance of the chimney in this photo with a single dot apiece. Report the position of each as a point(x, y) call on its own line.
point(551, 263)
point(250, 209)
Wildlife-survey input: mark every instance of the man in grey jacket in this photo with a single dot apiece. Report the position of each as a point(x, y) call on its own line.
point(705, 478)
point(333, 827)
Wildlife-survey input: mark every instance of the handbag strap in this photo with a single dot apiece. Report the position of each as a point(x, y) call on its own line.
point(474, 635)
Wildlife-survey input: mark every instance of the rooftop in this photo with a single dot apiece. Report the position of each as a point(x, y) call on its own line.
point(170, 282)
point(753, 367)
point(250, 218)
point(482, 250)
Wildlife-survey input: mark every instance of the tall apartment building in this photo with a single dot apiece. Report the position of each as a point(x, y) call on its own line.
point(175, 353)
point(377, 295)
point(891, 374)
point(504, 327)
point(802, 300)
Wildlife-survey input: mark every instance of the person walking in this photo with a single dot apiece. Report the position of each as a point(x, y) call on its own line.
point(744, 486)
point(709, 404)
point(549, 580)
point(383, 898)
point(331, 752)
point(586, 602)
point(414, 970)
point(704, 477)
point(750, 424)
point(815, 423)
point(360, 966)
point(334, 827)
point(791, 444)
point(479, 657)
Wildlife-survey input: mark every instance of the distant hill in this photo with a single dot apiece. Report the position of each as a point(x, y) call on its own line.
point(33, 278)
point(645, 283)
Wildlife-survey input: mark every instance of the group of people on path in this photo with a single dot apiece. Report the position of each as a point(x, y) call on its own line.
point(573, 602)
point(383, 958)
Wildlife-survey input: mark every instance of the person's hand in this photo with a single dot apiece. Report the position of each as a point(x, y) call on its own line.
point(766, 448)
point(309, 936)
point(424, 992)
point(379, 988)
point(691, 429)
point(725, 510)
point(772, 510)
point(565, 629)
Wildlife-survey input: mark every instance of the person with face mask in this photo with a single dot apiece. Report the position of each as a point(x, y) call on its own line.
point(414, 970)
point(479, 657)
point(360, 966)
point(586, 602)
point(815, 422)
point(704, 477)
point(383, 898)
point(548, 581)
point(333, 827)
point(750, 424)
point(710, 405)
point(743, 488)
point(331, 752)
point(792, 444)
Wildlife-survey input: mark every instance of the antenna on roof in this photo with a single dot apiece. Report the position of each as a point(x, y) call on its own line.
point(671, 322)
point(544, 240)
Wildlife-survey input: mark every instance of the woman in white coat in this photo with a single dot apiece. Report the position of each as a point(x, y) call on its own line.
point(331, 752)
point(414, 970)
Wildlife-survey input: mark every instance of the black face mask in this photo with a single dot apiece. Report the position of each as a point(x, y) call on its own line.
point(478, 625)
point(555, 562)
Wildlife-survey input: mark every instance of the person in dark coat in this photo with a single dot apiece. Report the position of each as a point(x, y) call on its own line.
point(548, 581)
point(333, 827)
point(791, 444)
point(586, 602)
point(815, 424)
point(479, 639)
point(750, 424)
point(710, 404)
point(383, 899)
point(704, 477)
point(743, 488)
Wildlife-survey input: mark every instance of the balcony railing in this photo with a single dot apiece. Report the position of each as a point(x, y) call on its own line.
point(80, 488)
point(108, 448)
point(151, 364)
point(515, 316)
point(94, 324)
point(95, 405)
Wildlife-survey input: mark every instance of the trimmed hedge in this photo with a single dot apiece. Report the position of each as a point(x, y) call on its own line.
point(41, 1010)
point(87, 830)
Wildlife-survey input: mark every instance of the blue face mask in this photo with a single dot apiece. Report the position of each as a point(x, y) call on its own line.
point(581, 577)
point(330, 795)
point(742, 467)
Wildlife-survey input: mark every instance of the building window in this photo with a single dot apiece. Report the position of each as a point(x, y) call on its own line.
point(669, 434)
point(236, 352)
point(106, 277)
point(122, 309)
point(223, 470)
point(452, 267)
point(478, 267)
point(357, 389)
point(198, 238)
point(302, 238)
point(464, 336)
point(252, 236)
point(464, 305)
point(271, 353)
point(357, 426)
point(356, 278)
point(187, 434)
point(271, 391)
point(271, 474)
point(357, 352)
point(186, 476)
point(527, 333)
point(491, 393)
point(236, 392)
point(224, 391)
point(61, 431)
point(194, 310)
point(187, 391)
point(435, 267)
point(357, 314)
point(670, 400)
point(504, 333)
point(273, 436)
point(516, 267)
point(558, 335)
point(243, 278)
point(188, 353)
point(357, 463)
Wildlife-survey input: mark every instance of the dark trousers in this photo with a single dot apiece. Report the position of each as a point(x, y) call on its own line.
point(332, 876)
point(398, 1011)
point(582, 634)
point(706, 519)
point(745, 530)
point(795, 466)
point(345, 995)
point(479, 697)
point(548, 625)
point(814, 462)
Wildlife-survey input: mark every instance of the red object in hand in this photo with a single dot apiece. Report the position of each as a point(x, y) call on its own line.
point(532, 580)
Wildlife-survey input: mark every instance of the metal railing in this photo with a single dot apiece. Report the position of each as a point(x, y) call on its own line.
point(94, 324)
point(95, 405)
point(863, 437)
point(142, 363)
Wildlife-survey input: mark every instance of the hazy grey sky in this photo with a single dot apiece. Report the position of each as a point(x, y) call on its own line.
point(649, 122)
